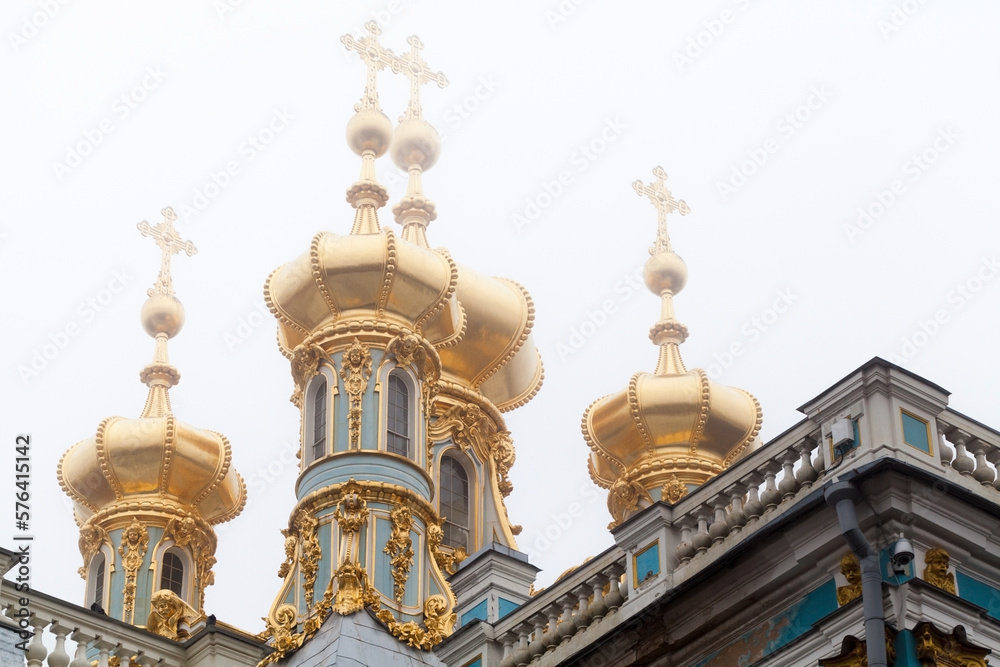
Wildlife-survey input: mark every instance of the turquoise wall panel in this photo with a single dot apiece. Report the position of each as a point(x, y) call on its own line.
point(411, 595)
point(323, 573)
point(915, 433)
point(476, 613)
point(777, 631)
point(504, 607)
point(647, 563)
point(906, 650)
point(383, 568)
point(978, 593)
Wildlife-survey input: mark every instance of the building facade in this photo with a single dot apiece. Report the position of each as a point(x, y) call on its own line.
point(866, 534)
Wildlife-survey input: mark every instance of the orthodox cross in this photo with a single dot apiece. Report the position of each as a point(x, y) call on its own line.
point(170, 243)
point(416, 70)
point(375, 57)
point(665, 203)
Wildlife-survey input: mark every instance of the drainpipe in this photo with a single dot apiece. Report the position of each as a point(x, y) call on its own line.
point(842, 496)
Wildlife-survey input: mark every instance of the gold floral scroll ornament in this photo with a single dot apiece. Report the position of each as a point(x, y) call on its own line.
point(355, 371)
point(291, 546)
point(305, 527)
point(446, 562)
point(135, 540)
point(399, 548)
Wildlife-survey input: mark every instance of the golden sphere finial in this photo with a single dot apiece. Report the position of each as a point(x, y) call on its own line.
point(369, 130)
point(415, 143)
point(665, 272)
point(162, 313)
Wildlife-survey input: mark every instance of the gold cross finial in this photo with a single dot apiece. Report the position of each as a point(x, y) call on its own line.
point(375, 57)
point(416, 70)
point(170, 243)
point(665, 203)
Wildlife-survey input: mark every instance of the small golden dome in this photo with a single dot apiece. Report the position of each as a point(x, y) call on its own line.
point(673, 429)
point(663, 425)
point(156, 461)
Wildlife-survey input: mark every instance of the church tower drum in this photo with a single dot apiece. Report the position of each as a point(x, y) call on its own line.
point(402, 362)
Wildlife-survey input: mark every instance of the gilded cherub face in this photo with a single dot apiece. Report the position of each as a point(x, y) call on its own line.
point(851, 571)
point(937, 563)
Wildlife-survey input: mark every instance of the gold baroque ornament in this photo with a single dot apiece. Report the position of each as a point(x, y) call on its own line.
point(92, 537)
point(305, 364)
point(282, 632)
point(501, 449)
point(467, 426)
point(399, 548)
point(409, 350)
point(352, 582)
point(937, 648)
point(438, 621)
point(165, 614)
point(673, 490)
point(135, 540)
point(446, 562)
point(291, 545)
point(305, 526)
point(854, 651)
point(186, 533)
point(851, 569)
point(351, 515)
point(355, 371)
point(936, 572)
point(623, 499)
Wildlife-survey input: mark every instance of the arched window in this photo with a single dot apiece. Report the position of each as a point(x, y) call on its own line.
point(319, 420)
point(455, 502)
point(172, 573)
point(397, 437)
point(98, 569)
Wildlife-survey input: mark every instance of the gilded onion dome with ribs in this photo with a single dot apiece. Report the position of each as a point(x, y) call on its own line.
point(364, 277)
point(155, 461)
point(496, 355)
point(370, 279)
point(674, 429)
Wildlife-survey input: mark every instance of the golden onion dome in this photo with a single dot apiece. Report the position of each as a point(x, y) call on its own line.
point(152, 462)
point(155, 462)
point(375, 277)
point(372, 279)
point(496, 354)
point(674, 429)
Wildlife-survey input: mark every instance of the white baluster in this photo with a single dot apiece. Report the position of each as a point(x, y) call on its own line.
point(36, 650)
point(59, 657)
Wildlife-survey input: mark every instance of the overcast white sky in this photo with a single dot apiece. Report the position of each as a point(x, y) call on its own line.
point(776, 121)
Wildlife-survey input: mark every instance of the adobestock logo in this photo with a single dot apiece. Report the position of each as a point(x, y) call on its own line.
point(123, 106)
point(86, 312)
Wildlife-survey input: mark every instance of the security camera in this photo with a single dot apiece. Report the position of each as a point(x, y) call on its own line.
point(902, 553)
